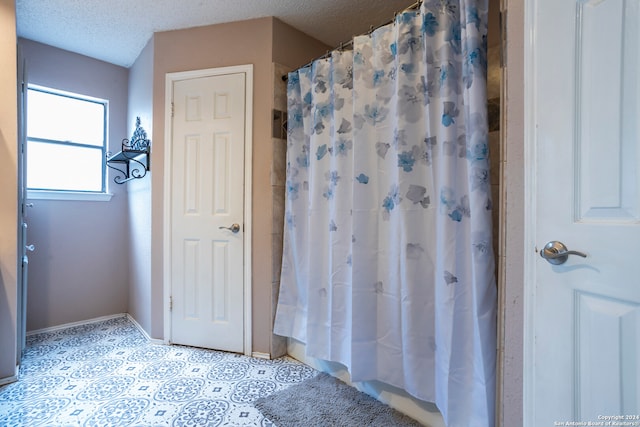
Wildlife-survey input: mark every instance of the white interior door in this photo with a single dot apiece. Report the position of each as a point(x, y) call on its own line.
point(584, 332)
point(207, 212)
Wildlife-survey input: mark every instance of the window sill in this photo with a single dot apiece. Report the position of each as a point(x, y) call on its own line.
point(68, 195)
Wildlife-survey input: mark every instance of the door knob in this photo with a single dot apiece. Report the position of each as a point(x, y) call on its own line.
point(556, 252)
point(234, 228)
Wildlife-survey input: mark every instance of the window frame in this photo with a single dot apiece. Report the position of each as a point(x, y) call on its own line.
point(61, 194)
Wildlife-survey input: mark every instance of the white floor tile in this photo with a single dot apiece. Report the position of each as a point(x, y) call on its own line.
point(107, 374)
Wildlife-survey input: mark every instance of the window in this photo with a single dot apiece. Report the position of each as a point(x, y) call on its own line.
point(66, 142)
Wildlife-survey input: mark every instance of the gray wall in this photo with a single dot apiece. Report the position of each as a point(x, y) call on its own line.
point(80, 268)
point(139, 193)
point(8, 191)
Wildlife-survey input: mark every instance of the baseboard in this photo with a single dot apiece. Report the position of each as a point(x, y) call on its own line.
point(12, 379)
point(96, 320)
point(72, 324)
point(143, 332)
point(425, 412)
point(259, 355)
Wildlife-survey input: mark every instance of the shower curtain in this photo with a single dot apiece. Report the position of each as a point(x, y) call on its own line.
point(387, 264)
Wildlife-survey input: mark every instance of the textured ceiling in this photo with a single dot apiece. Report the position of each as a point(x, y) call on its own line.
point(117, 30)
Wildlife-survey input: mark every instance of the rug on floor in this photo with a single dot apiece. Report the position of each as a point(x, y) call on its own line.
point(326, 401)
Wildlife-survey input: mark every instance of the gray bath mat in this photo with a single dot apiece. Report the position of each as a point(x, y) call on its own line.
point(328, 402)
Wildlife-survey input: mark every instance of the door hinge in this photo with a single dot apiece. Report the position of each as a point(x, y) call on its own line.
point(170, 303)
point(172, 111)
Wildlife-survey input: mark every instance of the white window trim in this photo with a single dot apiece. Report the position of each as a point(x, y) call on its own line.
point(68, 195)
point(89, 196)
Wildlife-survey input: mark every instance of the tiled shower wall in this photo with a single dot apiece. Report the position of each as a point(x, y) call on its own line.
point(495, 151)
point(278, 172)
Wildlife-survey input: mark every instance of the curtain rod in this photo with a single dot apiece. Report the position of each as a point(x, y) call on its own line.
point(343, 45)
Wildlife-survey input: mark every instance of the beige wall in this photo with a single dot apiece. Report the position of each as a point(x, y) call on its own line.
point(237, 43)
point(139, 192)
point(293, 48)
point(79, 269)
point(247, 42)
point(8, 191)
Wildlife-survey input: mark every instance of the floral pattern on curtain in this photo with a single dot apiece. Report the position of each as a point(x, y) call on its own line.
point(388, 265)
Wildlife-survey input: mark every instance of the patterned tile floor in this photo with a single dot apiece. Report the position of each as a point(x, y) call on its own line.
point(108, 374)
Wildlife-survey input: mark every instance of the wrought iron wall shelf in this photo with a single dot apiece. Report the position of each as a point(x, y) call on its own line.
point(133, 161)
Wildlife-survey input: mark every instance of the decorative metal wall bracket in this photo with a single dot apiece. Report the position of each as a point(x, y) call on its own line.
point(133, 161)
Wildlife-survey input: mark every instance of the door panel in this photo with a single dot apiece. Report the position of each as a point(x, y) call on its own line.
point(606, 328)
point(207, 198)
point(606, 110)
point(586, 312)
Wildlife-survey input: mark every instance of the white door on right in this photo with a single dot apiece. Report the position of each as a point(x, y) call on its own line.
point(584, 334)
